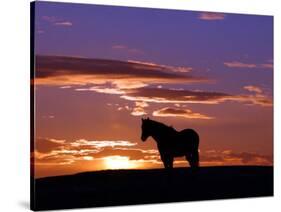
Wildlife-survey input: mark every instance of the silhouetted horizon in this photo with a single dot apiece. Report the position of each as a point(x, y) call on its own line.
point(102, 188)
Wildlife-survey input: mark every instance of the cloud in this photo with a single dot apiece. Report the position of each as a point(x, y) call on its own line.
point(183, 69)
point(174, 112)
point(211, 16)
point(142, 104)
point(253, 88)
point(150, 65)
point(50, 19)
point(56, 21)
point(134, 81)
point(138, 111)
point(67, 71)
point(59, 152)
point(65, 87)
point(88, 158)
point(119, 47)
point(156, 95)
point(46, 144)
point(236, 64)
point(229, 157)
point(48, 117)
point(102, 144)
point(102, 89)
point(63, 23)
point(267, 65)
point(132, 153)
point(127, 49)
point(80, 147)
point(126, 107)
point(249, 157)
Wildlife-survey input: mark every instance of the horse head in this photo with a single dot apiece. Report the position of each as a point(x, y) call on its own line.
point(146, 129)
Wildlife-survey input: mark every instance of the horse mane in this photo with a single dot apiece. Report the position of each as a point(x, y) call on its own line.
point(162, 125)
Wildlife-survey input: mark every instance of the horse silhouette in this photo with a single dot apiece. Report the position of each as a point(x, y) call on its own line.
point(172, 143)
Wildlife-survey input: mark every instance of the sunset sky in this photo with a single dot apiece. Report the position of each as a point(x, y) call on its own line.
point(100, 69)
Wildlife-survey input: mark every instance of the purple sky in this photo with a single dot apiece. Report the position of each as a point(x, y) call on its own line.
point(171, 37)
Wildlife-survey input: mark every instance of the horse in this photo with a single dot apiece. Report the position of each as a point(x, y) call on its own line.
point(172, 143)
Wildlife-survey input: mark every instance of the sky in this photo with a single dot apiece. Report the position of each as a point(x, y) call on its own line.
point(100, 69)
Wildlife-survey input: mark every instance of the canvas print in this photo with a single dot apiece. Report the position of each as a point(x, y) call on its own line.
point(139, 105)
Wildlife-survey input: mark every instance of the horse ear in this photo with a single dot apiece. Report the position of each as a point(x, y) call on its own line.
point(147, 118)
point(142, 119)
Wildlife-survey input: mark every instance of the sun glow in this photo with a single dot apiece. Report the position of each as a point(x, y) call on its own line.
point(119, 162)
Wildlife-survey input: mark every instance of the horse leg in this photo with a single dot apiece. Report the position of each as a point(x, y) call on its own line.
point(167, 161)
point(195, 159)
point(188, 158)
point(164, 160)
point(166, 165)
point(170, 161)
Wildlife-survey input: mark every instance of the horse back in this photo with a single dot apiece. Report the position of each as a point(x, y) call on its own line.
point(190, 135)
point(180, 143)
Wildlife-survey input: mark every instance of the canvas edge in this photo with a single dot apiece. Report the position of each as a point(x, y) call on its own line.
point(32, 63)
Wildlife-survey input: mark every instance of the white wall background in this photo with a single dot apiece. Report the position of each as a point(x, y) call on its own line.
point(14, 103)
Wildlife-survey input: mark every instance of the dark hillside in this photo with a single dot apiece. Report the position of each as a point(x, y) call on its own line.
point(124, 187)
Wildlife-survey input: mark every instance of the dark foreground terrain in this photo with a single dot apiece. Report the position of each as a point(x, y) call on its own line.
point(126, 187)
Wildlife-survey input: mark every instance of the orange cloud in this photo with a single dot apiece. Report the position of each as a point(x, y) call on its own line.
point(138, 111)
point(229, 157)
point(142, 104)
point(126, 107)
point(101, 144)
point(70, 153)
point(46, 144)
point(132, 153)
point(92, 150)
point(65, 87)
point(174, 112)
point(211, 16)
point(156, 95)
point(58, 152)
point(82, 154)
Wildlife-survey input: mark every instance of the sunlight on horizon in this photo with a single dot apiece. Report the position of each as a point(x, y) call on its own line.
point(119, 162)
